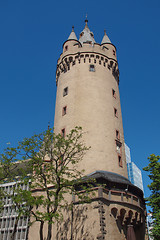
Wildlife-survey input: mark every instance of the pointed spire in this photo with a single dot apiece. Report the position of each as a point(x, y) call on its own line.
point(105, 38)
point(86, 35)
point(86, 21)
point(72, 35)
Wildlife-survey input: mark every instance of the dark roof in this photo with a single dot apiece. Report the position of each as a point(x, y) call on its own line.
point(105, 176)
point(110, 176)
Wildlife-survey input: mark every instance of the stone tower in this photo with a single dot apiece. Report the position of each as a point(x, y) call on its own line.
point(87, 79)
point(88, 96)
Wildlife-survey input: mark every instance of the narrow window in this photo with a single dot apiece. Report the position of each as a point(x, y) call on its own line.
point(114, 52)
point(64, 111)
point(120, 161)
point(118, 147)
point(66, 48)
point(91, 68)
point(113, 93)
point(117, 135)
point(63, 132)
point(115, 112)
point(65, 91)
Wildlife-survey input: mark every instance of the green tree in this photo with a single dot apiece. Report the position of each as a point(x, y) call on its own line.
point(52, 162)
point(154, 199)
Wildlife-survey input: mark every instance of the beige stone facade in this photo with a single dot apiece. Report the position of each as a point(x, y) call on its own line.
point(90, 72)
point(87, 79)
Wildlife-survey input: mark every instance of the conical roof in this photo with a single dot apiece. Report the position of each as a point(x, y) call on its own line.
point(105, 38)
point(86, 35)
point(72, 35)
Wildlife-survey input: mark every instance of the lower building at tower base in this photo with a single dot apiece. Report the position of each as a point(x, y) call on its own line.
point(116, 211)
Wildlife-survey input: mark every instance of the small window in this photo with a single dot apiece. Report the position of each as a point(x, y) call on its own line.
point(63, 132)
point(64, 111)
point(117, 135)
point(65, 91)
point(120, 161)
point(113, 93)
point(115, 112)
point(118, 147)
point(66, 48)
point(114, 52)
point(92, 68)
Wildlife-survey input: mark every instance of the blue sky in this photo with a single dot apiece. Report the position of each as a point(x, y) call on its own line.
point(31, 36)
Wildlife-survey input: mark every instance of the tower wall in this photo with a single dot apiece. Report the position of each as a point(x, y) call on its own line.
point(90, 72)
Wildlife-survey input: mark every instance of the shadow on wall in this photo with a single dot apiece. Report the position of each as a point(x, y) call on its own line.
point(73, 225)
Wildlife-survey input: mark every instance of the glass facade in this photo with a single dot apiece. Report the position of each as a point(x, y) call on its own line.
point(134, 173)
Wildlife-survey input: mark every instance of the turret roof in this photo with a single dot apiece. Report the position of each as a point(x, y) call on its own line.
point(72, 35)
point(86, 35)
point(105, 38)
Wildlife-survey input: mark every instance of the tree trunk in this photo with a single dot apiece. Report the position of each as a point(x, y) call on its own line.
point(41, 230)
point(49, 235)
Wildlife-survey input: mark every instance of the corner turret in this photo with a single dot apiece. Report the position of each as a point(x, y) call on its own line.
point(105, 38)
point(72, 35)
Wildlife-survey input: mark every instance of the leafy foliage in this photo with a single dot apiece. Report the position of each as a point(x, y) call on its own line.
point(52, 163)
point(154, 199)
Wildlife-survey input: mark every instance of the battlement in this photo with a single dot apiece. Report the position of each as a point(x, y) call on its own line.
point(74, 53)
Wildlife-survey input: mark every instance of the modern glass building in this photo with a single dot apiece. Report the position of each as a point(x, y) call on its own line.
point(134, 173)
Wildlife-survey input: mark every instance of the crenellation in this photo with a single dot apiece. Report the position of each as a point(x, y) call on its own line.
point(87, 57)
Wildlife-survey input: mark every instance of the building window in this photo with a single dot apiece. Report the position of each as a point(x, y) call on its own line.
point(120, 161)
point(117, 135)
point(63, 132)
point(118, 147)
point(115, 112)
point(91, 68)
point(114, 52)
point(66, 48)
point(65, 91)
point(64, 111)
point(113, 93)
